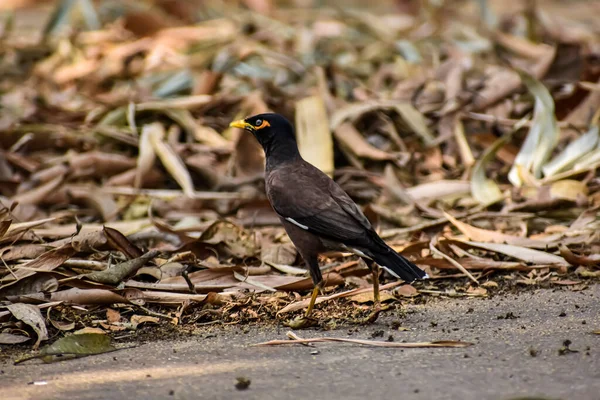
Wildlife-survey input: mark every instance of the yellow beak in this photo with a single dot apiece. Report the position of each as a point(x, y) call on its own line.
point(239, 124)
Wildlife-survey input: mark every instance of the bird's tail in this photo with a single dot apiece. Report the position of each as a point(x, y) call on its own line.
point(397, 265)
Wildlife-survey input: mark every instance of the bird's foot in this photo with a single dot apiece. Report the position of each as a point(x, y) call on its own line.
point(372, 317)
point(301, 322)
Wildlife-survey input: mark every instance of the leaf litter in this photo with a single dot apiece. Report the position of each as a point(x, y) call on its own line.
point(122, 187)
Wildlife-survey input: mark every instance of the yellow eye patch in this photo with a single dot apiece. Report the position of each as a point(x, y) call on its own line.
point(264, 124)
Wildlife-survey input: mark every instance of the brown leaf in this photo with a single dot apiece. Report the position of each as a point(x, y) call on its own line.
point(406, 291)
point(484, 235)
point(573, 259)
point(118, 241)
point(112, 316)
point(351, 140)
point(278, 253)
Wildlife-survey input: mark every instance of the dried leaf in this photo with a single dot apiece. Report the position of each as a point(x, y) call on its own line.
point(350, 139)
point(542, 137)
point(116, 274)
point(32, 316)
point(169, 158)
point(313, 134)
point(521, 253)
point(484, 235)
point(10, 338)
point(573, 152)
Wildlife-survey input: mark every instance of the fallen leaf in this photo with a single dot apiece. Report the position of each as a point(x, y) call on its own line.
point(32, 316)
point(521, 253)
point(367, 297)
point(10, 338)
point(406, 291)
point(313, 134)
point(542, 137)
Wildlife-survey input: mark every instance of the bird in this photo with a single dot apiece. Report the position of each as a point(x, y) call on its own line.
point(317, 214)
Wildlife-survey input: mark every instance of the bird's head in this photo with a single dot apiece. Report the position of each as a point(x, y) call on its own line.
point(269, 129)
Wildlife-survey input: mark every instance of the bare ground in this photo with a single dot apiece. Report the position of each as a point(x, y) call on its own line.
point(517, 340)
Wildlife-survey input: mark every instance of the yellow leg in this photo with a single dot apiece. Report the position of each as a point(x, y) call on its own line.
point(376, 298)
point(313, 298)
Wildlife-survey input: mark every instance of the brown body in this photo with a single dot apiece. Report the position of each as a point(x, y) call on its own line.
point(315, 211)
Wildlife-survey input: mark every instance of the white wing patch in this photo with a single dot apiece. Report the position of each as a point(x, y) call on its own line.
point(298, 224)
point(392, 273)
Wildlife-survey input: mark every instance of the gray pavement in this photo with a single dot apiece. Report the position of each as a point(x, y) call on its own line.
point(506, 331)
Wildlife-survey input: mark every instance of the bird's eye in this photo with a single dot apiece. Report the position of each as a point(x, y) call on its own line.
point(258, 122)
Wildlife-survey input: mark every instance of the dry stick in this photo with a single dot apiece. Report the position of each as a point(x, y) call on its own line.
point(169, 194)
point(430, 224)
point(511, 122)
point(86, 264)
point(376, 343)
point(434, 250)
point(304, 303)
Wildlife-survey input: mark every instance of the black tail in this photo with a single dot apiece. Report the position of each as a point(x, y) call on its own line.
point(397, 265)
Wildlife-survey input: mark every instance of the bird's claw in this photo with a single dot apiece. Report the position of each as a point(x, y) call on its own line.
point(301, 322)
point(372, 317)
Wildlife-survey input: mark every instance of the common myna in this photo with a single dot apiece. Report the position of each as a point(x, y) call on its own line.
point(315, 211)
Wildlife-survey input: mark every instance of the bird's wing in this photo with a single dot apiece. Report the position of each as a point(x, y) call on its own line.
point(309, 199)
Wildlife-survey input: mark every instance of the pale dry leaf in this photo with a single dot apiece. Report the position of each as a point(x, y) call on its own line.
point(169, 158)
point(543, 134)
point(521, 253)
point(313, 134)
point(32, 316)
point(351, 140)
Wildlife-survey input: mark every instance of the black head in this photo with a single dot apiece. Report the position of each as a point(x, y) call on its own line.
point(274, 133)
point(267, 127)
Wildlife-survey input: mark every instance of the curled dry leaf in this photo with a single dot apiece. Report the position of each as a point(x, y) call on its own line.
point(117, 273)
point(32, 316)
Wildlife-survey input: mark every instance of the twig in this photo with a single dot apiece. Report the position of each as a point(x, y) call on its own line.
point(374, 343)
point(304, 303)
point(435, 251)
